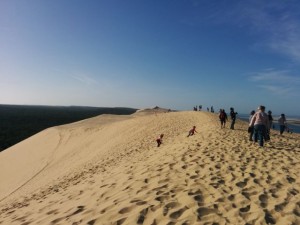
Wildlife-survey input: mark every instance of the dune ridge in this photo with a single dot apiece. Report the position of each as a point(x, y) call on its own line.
point(108, 170)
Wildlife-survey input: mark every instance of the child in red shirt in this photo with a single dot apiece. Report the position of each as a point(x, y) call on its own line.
point(192, 131)
point(159, 140)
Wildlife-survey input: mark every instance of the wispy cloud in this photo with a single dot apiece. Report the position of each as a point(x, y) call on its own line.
point(279, 82)
point(84, 79)
point(275, 76)
point(276, 24)
point(278, 90)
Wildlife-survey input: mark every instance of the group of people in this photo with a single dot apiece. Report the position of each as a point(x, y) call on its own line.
point(223, 117)
point(260, 124)
point(196, 108)
point(211, 109)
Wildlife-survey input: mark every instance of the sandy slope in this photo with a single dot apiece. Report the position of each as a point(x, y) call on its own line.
point(108, 170)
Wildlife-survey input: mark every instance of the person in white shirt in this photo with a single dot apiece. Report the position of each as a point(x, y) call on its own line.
point(260, 121)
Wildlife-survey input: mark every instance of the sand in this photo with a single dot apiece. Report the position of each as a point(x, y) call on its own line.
point(108, 170)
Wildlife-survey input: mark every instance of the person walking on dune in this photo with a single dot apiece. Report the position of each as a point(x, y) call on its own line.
point(233, 118)
point(251, 129)
point(270, 117)
point(223, 118)
point(282, 123)
point(159, 140)
point(260, 121)
point(192, 131)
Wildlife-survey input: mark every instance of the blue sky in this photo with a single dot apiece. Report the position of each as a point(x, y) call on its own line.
point(174, 54)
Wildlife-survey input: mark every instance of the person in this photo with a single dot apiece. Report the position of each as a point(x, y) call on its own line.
point(233, 118)
point(282, 123)
point(223, 118)
point(159, 140)
point(270, 119)
point(192, 131)
point(260, 122)
point(251, 129)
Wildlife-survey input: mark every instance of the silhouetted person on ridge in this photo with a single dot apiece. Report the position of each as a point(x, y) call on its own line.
point(223, 118)
point(233, 118)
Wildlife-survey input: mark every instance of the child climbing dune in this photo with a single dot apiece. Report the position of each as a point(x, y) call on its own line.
point(192, 131)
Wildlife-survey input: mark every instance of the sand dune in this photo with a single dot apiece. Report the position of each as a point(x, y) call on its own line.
point(108, 170)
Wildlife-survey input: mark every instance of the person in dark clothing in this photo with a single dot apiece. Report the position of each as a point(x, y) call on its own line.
point(233, 117)
point(251, 129)
point(270, 119)
point(282, 123)
point(223, 118)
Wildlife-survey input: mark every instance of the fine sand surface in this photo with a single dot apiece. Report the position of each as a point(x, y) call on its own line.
point(108, 170)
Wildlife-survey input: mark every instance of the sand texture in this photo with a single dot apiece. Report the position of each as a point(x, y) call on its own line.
point(108, 170)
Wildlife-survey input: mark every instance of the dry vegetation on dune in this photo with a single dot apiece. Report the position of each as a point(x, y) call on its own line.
point(108, 170)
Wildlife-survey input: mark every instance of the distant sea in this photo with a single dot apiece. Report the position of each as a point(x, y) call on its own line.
point(294, 127)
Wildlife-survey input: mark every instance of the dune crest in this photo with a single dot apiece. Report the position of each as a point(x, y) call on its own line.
point(108, 170)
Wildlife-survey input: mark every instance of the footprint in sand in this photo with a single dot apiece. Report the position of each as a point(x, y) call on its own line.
point(280, 207)
point(79, 210)
point(245, 209)
point(246, 194)
point(203, 211)
point(142, 216)
point(137, 201)
point(268, 218)
point(252, 175)
point(172, 205)
point(55, 211)
point(290, 179)
point(263, 198)
point(178, 213)
point(171, 165)
point(57, 220)
point(162, 198)
point(273, 192)
point(169, 206)
point(141, 203)
point(194, 177)
point(184, 167)
point(231, 197)
point(257, 181)
point(241, 184)
point(126, 210)
point(199, 199)
point(269, 179)
point(293, 191)
point(121, 221)
point(296, 211)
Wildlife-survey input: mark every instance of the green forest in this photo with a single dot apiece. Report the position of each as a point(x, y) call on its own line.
point(18, 122)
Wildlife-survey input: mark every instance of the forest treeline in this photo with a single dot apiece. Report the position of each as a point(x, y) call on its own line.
point(18, 122)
